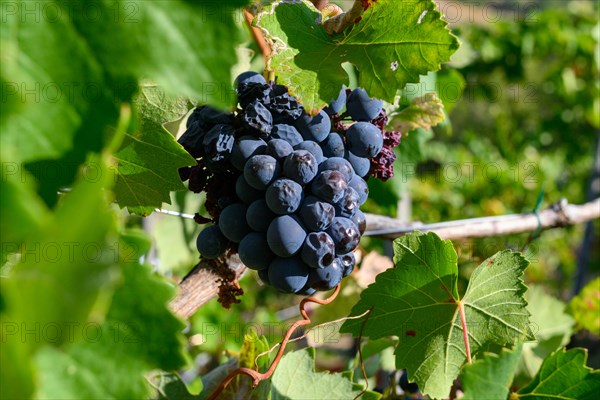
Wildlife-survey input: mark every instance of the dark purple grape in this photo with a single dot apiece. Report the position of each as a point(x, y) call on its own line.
point(286, 235)
point(232, 222)
point(261, 170)
point(348, 204)
point(255, 252)
point(211, 243)
point(361, 165)
point(329, 186)
point(247, 193)
point(361, 187)
point(192, 138)
point(345, 234)
point(300, 166)
point(364, 139)
point(333, 146)
point(361, 107)
point(348, 261)
point(336, 105)
point(218, 145)
point(207, 117)
point(306, 291)
point(288, 275)
point(253, 92)
point(258, 119)
point(259, 215)
point(249, 77)
point(316, 215)
point(284, 196)
point(318, 250)
point(246, 147)
point(286, 132)
point(314, 128)
point(338, 164)
point(326, 278)
point(360, 220)
point(313, 148)
point(279, 149)
point(284, 107)
point(405, 385)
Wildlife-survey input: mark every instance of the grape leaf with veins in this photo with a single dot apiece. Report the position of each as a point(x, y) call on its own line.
point(391, 45)
point(418, 301)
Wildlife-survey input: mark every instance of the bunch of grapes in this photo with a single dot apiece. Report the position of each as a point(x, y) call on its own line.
point(284, 188)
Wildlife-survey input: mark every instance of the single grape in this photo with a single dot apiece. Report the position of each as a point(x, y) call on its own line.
point(244, 148)
point(348, 204)
point(261, 170)
point(333, 146)
point(336, 105)
point(254, 251)
point(361, 107)
point(259, 215)
point(313, 148)
point(405, 385)
point(232, 222)
point(316, 128)
point(258, 119)
point(326, 278)
point(192, 138)
point(253, 92)
point(318, 250)
point(361, 165)
point(348, 261)
point(284, 107)
point(338, 164)
point(207, 117)
point(345, 234)
point(284, 196)
point(279, 149)
point(329, 186)
point(364, 139)
point(300, 166)
point(286, 235)
point(211, 243)
point(361, 187)
point(247, 193)
point(286, 132)
point(317, 215)
point(360, 220)
point(288, 275)
point(249, 77)
point(218, 145)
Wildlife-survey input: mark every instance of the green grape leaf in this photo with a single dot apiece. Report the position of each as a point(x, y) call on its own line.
point(170, 387)
point(564, 375)
point(139, 328)
point(295, 379)
point(491, 376)
point(308, 61)
point(69, 271)
point(147, 161)
point(65, 74)
point(552, 327)
point(424, 112)
point(585, 307)
point(418, 301)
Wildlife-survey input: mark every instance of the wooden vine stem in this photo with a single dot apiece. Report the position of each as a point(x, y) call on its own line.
point(201, 285)
point(259, 376)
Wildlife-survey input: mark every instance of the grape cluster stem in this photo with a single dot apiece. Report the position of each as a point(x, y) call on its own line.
point(256, 376)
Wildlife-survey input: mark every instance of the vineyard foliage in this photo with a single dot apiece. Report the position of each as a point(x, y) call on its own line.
point(94, 95)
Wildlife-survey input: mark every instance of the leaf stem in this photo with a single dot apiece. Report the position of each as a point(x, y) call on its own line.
point(463, 321)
